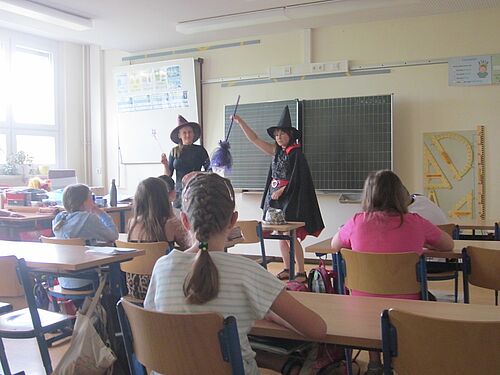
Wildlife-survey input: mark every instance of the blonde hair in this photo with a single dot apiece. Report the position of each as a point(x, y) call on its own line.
point(74, 196)
point(208, 201)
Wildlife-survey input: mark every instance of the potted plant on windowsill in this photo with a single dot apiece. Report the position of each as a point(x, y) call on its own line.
point(18, 163)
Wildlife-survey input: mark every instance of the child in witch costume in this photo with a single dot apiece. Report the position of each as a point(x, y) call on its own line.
point(186, 157)
point(289, 186)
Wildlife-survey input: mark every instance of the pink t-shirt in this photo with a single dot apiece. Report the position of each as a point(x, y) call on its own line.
point(380, 232)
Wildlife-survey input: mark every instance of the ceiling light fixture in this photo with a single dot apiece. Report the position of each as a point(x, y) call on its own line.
point(280, 14)
point(46, 14)
point(231, 21)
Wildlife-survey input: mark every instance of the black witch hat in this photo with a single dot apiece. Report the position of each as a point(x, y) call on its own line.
point(285, 123)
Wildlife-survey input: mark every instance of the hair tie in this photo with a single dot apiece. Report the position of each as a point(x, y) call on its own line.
point(203, 246)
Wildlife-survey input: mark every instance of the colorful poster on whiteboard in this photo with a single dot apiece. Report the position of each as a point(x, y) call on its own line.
point(470, 71)
point(151, 89)
point(149, 97)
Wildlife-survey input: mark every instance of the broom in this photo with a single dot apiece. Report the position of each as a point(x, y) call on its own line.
point(221, 157)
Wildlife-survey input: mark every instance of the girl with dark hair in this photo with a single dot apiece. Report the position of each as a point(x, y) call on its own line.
point(289, 186)
point(204, 278)
point(385, 226)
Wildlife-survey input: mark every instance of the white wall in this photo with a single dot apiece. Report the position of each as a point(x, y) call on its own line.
point(72, 107)
point(423, 100)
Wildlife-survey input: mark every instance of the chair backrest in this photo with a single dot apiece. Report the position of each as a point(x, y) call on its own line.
point(10, 285)
point(144, 264)
point(63, 241)
point(451, 229)
point(181, 344)
point(483, 267)
point(418, 344)
point(249, 230)
point(383, 273)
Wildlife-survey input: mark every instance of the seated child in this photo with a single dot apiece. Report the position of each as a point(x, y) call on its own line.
point(154, 221)
point(385, 226)
point(82, 219)
point(204, 278)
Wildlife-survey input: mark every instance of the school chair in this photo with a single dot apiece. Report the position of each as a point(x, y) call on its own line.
point(380, 273)
point(481, 267)
point(142, 267)
point(449, 270)
point(180, 344)
point(402, 273)
point(414, 344)
point(251, 231)
point(29, 322)
point(56, 291)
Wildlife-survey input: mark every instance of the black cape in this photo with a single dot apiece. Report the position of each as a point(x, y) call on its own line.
point(298, 201)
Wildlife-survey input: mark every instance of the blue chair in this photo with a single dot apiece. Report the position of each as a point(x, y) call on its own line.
point(481, 267)
point(449, 270)
point(180, 344)
point(381, 273)
point(56, 291)
point(417, 344)
point(29, 322)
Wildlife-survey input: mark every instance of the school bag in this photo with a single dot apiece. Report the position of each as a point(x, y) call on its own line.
point(322, 280)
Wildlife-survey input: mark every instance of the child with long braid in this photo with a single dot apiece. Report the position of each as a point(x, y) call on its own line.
point(206, 279)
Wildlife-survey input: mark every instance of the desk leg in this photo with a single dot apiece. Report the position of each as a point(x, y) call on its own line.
point(122, 221)
point(292, 254)
point(117, 281)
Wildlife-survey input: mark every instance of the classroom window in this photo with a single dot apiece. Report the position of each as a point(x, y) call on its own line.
point(33, 91)
point(42, 147)
point(28, 98)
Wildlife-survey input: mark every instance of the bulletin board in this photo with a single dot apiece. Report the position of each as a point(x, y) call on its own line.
point(149, 97)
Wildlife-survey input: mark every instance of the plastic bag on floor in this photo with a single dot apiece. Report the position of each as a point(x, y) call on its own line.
point(87, 353)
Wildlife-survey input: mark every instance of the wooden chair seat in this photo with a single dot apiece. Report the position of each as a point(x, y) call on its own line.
point(19, 324)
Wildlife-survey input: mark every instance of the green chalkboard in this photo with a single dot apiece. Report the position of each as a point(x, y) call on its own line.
point(346, 138)
point(250, 165)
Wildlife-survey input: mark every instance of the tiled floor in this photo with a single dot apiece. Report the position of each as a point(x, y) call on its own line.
point(24, 355)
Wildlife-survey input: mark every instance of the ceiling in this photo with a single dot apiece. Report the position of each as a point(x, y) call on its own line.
point(140, 25)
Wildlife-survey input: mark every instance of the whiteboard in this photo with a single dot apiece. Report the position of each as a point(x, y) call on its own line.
point(149, 97)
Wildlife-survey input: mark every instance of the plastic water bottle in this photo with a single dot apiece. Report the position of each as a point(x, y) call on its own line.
point(113, 195)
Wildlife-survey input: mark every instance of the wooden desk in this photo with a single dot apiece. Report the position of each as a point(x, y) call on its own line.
point(64, 259)
point(285, 232)
point(34, 220)
point(323, 247)
point(355, 321)
point(60, 258)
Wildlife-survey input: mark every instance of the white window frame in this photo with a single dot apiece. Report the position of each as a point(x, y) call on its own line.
point(10, 128)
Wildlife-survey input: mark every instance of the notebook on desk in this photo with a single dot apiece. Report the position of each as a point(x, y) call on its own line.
point(108, 250)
